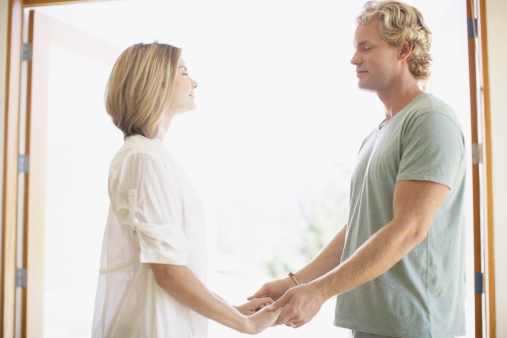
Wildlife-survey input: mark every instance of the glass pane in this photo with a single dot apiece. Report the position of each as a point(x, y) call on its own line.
point(81, 143)
point(270, 147)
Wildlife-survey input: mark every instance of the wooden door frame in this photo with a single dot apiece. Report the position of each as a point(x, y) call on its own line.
point(10, 170)
point(484, 264)
point(489, 269)
point(475, 174)
point(10, 176)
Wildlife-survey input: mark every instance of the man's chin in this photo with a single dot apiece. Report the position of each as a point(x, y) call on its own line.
point(364, 86)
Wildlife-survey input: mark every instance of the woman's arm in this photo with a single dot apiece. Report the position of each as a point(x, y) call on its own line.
point(183, 285)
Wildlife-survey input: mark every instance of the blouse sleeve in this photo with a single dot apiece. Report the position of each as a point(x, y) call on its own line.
point(146, 198)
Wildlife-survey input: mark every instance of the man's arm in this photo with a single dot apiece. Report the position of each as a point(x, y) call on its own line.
point(327, 259)
point(415, 204)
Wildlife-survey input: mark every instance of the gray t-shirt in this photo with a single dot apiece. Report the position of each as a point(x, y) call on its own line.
point(423, 294)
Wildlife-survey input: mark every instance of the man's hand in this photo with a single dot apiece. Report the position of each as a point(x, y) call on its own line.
point(300, 304)
point(254, 305)
point(274, 289)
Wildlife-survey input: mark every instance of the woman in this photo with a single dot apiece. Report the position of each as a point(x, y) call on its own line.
point(153, 267)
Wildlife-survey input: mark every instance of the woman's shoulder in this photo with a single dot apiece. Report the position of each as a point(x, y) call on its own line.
point(138, 145)
point(138, 150)
point(141, 144)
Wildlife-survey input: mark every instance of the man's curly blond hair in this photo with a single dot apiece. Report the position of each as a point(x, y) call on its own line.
point(399, 22)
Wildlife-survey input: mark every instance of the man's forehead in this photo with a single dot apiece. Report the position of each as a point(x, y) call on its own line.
point(366, 33)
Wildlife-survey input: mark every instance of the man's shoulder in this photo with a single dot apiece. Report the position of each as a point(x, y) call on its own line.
point(429, 106)
point(427, 102)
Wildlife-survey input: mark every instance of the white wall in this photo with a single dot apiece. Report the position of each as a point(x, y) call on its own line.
point(497, 49)
point(4, 5)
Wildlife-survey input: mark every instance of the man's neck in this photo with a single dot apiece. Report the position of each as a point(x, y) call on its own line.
point(398, 97)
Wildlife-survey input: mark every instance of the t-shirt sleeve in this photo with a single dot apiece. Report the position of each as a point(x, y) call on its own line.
point(432, 149)
point(149, 199)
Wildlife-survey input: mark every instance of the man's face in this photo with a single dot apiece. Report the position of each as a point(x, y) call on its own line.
point(377, 62)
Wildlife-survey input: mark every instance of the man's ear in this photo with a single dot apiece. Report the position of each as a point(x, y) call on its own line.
point(405, 50)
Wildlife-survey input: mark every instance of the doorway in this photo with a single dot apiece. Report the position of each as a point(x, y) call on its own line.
point(259, 92)
point(67, 134)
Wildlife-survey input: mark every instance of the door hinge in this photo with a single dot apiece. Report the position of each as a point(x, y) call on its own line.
point(22, 163)
point(21, 278)
point(26, 52)
point(472, 28)
point(479, 290)
point(476, 153)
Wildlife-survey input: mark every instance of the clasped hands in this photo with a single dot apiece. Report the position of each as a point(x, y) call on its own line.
point(294, 306)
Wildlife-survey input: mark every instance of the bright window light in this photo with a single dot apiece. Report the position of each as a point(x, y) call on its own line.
point(270, 147)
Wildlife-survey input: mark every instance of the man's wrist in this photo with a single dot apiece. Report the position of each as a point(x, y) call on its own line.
point(325, 287)
point(294, 278)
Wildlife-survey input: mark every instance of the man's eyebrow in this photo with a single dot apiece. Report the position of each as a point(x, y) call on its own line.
point(361, 44)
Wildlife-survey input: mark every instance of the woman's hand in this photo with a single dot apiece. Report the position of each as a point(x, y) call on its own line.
point(261, 320)
point(254, 305)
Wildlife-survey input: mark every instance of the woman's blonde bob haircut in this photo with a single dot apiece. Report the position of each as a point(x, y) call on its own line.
point(140, 87)
point(399, 22)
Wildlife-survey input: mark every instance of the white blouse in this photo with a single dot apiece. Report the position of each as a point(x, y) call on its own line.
point(155, 216)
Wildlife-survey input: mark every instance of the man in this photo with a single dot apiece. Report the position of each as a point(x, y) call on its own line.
point(397, 266)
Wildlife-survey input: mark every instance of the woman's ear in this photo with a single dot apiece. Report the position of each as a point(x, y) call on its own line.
point(405, 50)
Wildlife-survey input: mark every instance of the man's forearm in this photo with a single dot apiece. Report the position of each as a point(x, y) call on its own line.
point(376, 255)
point(372, 259)
point(415, 204)
point(328, 259)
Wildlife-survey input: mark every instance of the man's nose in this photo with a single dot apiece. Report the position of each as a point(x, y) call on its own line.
point(355, 59)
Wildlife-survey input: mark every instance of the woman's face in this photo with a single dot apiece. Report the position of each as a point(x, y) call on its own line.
point(183, 93)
